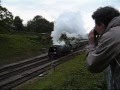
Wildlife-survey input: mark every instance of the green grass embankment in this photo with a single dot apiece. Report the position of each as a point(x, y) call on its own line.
point(16, 47)
point(71, 75)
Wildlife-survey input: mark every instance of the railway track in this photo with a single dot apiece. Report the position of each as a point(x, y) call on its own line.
point(17, 73)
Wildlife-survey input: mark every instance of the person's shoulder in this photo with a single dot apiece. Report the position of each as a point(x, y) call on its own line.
point(107, 35)
point(113, 34)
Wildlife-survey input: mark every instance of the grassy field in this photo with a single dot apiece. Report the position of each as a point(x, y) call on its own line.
point(17, 47)
point(71, 75)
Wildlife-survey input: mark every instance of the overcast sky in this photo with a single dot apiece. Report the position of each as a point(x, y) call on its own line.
point(51, 9)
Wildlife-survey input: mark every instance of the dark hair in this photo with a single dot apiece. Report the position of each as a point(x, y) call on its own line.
point(105, 15)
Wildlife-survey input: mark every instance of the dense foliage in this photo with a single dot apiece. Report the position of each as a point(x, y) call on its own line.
point(6, 18)
point(18, 26)
point(10, 23)
point(40, 25)
point(17, 47)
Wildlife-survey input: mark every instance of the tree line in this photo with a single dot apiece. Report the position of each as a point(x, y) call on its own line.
point(10, 23)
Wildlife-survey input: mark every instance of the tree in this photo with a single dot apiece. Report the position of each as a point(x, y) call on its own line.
point(29, 26)
point(40, 25)
point(64, 38)
point(6, 17)
point(36, 18)
point(18, 24)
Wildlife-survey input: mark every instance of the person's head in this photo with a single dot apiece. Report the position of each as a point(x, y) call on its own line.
point(103, 16)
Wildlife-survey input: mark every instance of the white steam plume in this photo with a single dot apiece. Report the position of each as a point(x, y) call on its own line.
point(69, 23)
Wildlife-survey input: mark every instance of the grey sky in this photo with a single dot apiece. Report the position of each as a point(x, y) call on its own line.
point(51, 9)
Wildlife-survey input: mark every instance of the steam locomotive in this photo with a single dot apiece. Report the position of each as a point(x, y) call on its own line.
point(57, 51)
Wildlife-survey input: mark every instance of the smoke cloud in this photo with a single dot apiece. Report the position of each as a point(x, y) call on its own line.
point(69, 23)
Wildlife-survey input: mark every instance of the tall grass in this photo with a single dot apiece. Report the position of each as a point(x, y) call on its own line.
point(17, 47)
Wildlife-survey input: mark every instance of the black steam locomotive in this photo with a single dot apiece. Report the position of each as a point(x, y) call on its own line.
point(57, 51)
